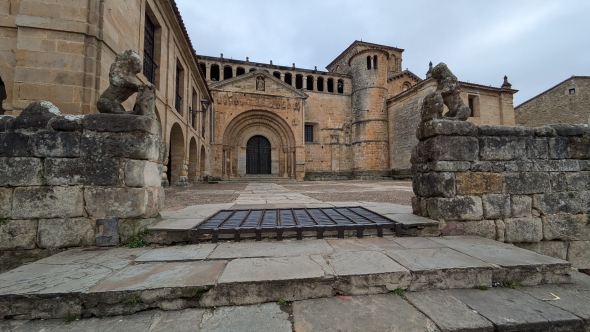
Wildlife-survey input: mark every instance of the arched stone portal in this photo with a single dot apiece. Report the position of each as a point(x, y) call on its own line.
point(273, 129)
point(193, 175)
point(258, 155)
point(176, 168)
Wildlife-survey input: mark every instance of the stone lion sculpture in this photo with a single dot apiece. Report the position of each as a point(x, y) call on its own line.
point(447, 93)
point(123, 85)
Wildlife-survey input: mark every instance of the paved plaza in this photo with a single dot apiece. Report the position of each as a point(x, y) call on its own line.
point(391, 283)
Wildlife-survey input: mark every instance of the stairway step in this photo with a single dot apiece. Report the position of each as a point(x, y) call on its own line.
point(123, 281)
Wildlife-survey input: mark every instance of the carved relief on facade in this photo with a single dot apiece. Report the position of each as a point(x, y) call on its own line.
point(260, 83)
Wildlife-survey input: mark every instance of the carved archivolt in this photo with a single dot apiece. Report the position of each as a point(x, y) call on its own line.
point(256, 121)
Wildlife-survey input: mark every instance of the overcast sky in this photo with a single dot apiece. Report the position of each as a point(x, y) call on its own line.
point(536, 43)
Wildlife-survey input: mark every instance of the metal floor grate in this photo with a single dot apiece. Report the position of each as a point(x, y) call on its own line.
point(299, 220)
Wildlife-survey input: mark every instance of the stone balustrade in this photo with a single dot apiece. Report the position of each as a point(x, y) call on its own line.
point(527, 186)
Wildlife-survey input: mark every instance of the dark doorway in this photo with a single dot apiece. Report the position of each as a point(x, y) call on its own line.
point(258, 156)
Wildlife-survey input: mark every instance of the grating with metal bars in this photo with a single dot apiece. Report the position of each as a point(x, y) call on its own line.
point(297, 220)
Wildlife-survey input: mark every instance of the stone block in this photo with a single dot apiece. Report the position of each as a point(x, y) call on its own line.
point(577, 254)
point(421, 153)
point(47, 202)
point(5, 203)
point(35, 116)
point(496, 206)
point(579, 181)
point(65, 233)
point(155, 202)
point(421, 168)
point(450, 166)
point(500, 230)
point(14, 145)
point(141, 173)
point(121, 123)
point(563, 165)
point(126, 145)
point(520, 206)
point(6, 122)
point(559, 148)
point(537, 148)
point(566, 129)
point(483, 228)
point(18, 234)
point(481, 166)
point(525, 183)
point(580, 147)
point(477, 183)
point(556, 249)
point(20, 172)
point(107, 232)
point(502, 148)
point(84, 171)
point(105, 202)
point(558, 181)
point(453, 148)
point(523, 230)
point(434, 184)
point(496, 130)
point(457, 208)
point(447, 127)
point(55, 144)
point(584, 165)
point(561, 202)
point(518, 166)
point(420, 206)
point(544, 131)
point(566, 227)
point(452, 228)
point(66, 123)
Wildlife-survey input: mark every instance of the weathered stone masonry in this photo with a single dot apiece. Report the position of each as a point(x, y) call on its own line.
point(527, 186)
point(68, 181)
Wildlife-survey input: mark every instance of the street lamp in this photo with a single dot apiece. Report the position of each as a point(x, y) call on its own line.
point(193, 113)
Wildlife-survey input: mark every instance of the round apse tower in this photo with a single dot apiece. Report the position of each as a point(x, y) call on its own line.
point(369, 92)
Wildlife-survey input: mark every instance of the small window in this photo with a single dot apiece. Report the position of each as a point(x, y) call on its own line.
point(375, 62)
point(289, 78)
point(309, 133)
point(277, 74)
point(240, 71)
point(572, 91)
point(299, 82)
point(149, 65)
point(214, 72)
point(309, 83)
point(473, 102)
point(340, 86)
point(369, 62)
point(179, 88)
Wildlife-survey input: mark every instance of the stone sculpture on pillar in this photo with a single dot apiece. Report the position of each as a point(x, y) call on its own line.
point(447, 93)
point(123, 85)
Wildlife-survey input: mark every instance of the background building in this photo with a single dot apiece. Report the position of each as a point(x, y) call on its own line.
point(355, 120)
point(567, 102)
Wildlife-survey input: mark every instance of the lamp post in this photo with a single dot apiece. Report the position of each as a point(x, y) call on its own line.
point(194, 113)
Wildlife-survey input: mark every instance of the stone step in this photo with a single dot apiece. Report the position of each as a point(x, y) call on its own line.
point(124, 281)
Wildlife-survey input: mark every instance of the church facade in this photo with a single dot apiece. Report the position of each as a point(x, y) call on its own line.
point(356, 120)
point(227, 118)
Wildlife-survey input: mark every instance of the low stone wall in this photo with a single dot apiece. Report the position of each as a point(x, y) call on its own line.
point(527, 186)
point(69, 181)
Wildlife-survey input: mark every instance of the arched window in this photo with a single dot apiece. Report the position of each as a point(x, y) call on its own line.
point(299, 82)
point(240, 71)
point(289, 78)
point(277, 74)
point(252, 69)
point(375, 62)
point(203, 68)
point(215, 72)
point(340, 86)
point(406, 86)
point(368, 62)
point(330, 85)
point(227, 72)
point(309, 83)
point(320, 84)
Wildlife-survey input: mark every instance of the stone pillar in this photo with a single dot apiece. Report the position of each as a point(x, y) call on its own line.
point(234, 71)
point(293, 164)
point(208, 73)
point(315, 84)
point(305, 82)
point(231, 163)
point(285, 161)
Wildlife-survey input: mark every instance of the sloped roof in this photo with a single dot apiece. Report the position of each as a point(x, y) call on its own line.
point(356, 42)
point(551, 88)
point(402, 73)
point(219, 85)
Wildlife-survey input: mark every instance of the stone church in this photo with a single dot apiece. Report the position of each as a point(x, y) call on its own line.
point(227, 118)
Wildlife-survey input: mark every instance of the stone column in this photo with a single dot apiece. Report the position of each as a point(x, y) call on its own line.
point(224, 164)
point(315, 84)
point(285, 154)
point(293, 165)
point(283, 77)
point(234, 71)
point(231, 163)
point(305, 82)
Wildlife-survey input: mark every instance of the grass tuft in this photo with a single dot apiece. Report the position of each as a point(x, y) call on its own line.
point(138, 241)
point(281, 302)
point(400, 292)
point(482, 287)
point(70, 318)
point(133, 301)
point(509, 284)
